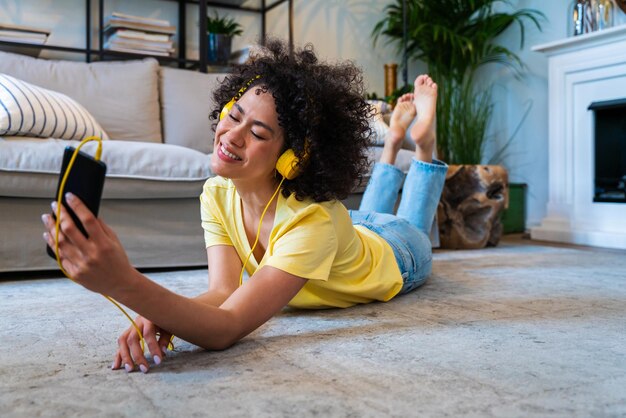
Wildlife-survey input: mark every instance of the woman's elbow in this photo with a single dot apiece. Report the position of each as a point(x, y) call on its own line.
point(221, 339)
point(219, 344)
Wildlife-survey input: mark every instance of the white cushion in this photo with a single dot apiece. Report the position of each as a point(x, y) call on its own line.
point(186, 101)
point(29, 167)
point(123, 96)
point(377, 124)
point(379, 131)
point(26, 109)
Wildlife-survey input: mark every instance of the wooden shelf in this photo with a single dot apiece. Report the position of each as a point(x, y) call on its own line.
point(44, 46)
point(200, 64)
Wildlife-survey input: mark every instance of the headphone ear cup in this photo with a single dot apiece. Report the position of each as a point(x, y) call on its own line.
point(227, 108)
point(287, 165)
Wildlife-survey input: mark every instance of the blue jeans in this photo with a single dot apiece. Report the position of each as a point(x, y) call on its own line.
point(407, 232)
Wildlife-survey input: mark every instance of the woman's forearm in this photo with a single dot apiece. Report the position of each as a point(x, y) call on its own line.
point(193, 320)
point(212, 297)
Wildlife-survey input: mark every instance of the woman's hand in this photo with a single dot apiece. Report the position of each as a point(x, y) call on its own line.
point(130, 353)
point(98, 262)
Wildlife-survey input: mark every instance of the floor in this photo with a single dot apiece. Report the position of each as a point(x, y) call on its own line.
point(525, 329)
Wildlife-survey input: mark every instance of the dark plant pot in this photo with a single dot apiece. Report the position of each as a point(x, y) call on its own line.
point(471, 206)
point(218, 48)
point(514, 217)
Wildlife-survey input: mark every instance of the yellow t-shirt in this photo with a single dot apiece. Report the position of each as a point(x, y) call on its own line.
point(344, 264)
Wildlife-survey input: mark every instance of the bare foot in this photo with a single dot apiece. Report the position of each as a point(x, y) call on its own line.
point(402, 116)
point(406, 97)
point(423, 132)
point(403, 112)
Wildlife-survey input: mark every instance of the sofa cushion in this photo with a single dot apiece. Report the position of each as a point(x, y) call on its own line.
point(29, 167)
point(26, 109)
point(123, 96)
point(186, 100)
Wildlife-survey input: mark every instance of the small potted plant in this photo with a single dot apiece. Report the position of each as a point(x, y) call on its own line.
point(220, 32)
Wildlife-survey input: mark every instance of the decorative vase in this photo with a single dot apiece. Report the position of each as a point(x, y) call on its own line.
point(218, 48)
point(603, 13)
point(582, 18)
point(391, 81)
point(471, 205)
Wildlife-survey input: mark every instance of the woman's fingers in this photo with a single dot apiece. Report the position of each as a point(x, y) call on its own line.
point(130, 352)
point(149, 335)
point(86, 217)
point(136, 352)
point(65, 251)
point(117, 361)
point(68, 227)
point(123, 352)
point(164, 342)
point(69, 253)
point(122, 357)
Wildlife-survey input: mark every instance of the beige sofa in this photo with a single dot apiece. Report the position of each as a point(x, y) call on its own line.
point(157, 159)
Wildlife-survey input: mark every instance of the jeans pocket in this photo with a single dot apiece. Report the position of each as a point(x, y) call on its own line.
point(414, 256)
point(397, 234)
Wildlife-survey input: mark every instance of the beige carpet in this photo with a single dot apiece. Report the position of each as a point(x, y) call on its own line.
point(522, 330)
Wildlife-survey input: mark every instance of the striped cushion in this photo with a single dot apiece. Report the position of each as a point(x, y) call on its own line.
point(29, 110)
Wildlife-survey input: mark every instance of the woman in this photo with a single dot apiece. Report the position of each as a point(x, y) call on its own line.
point(310, 252)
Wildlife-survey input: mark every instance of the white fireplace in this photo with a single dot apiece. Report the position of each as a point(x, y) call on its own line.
point(583, 69)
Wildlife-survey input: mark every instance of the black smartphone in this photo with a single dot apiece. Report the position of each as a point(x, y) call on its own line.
point(86, 180)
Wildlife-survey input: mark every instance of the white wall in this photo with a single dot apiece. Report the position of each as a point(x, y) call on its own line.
point(340, 30)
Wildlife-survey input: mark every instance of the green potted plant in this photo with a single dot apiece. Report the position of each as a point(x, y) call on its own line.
point(220, 32)
point(455, 38)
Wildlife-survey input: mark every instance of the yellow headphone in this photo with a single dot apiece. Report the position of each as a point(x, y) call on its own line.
point(287, 164)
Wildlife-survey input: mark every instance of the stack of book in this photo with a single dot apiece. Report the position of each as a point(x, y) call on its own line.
point(21, 34)
point(139, 35)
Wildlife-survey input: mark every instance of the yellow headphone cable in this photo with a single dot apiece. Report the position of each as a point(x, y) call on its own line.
point(97, 156)
point(258, 232)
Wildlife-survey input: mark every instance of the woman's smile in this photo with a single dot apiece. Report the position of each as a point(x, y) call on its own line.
point(226, 155)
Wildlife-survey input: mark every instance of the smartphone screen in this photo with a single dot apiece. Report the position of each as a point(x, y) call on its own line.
point(86, 180)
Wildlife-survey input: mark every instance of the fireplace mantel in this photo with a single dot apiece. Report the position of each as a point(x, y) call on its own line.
point(576, 43)
point(582, 70)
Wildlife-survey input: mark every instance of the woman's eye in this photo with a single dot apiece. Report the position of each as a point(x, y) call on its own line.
point(257, 136)
point(230, 115)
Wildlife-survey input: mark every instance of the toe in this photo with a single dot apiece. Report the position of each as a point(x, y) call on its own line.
point(420, 80)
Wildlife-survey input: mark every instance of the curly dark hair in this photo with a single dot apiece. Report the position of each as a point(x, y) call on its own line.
point(321, 102)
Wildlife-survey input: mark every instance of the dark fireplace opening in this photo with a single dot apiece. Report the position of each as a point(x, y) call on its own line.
point(610, 151)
